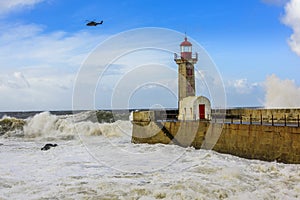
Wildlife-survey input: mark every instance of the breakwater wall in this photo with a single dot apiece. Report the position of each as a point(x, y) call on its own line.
point(261, 116)
point(253, 141)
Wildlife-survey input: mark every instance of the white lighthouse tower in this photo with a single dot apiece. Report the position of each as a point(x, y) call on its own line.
point(190, 106)
point(186, 72)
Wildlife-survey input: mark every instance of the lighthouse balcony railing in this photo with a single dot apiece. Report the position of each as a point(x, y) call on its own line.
point(180, 56)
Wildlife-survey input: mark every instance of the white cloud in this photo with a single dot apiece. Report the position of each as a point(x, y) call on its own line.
point(242, 86)
point(28, 45)
point(244, 93)
point(281, 93)
point(14, 81)
point(36, 89)
point(7, 6)
point(292, 19)
point(38, 69)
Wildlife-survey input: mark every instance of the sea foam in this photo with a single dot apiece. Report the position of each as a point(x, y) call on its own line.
point(46, 126)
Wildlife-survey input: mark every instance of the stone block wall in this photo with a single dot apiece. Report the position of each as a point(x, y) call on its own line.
point(269, 143)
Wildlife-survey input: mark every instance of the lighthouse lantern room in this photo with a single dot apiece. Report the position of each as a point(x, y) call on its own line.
point(186, 49)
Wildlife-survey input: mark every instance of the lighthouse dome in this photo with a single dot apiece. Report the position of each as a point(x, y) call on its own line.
point(185, 42)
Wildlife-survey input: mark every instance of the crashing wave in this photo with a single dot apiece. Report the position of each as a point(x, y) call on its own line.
point(11, 126)
point(66, 127)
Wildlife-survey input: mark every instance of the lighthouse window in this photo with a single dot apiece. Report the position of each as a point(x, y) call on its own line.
point(186, 49)
point(189, 71)
point(182, 48)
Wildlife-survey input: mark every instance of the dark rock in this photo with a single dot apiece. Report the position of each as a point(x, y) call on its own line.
point(48, 146)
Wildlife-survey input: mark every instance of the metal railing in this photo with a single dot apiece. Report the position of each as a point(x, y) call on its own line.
point(270, 120)
point(290, 120)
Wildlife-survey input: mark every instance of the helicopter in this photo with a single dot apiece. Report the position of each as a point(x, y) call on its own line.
point(94, 23)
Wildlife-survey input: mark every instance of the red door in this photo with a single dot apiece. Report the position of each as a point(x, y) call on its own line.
point(202, 111)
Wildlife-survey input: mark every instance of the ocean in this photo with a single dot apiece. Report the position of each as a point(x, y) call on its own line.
point(96, 160)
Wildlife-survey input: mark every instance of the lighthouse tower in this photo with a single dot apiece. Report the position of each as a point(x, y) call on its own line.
point(186, 74)
point(190, 106)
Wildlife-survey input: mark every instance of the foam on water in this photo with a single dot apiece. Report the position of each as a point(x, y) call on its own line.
point(46, 126)
point(68, 171)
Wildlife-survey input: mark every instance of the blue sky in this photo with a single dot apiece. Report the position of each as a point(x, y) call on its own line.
point(43, 44)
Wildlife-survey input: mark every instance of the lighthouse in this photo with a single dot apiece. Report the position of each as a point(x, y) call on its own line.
point(186, 73)
point(190, 106)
